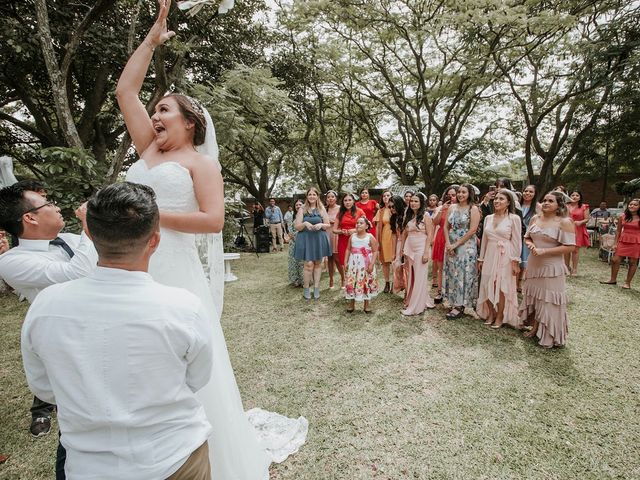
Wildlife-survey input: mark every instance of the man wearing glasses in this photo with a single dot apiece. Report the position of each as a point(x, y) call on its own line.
point(43, 256)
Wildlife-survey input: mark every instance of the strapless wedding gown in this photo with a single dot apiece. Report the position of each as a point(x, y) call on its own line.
point(242, 444)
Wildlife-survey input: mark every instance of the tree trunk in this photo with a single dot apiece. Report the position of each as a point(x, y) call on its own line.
point(58, 82)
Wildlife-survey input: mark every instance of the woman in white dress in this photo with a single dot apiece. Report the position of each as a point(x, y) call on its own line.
point(190, 195)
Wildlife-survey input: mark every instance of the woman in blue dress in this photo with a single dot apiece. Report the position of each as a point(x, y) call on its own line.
point(312, 244)
point(530, 207)
point(460, 286)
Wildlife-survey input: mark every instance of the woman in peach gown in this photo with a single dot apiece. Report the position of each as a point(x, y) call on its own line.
point(499, 263)
point(544, 303)
point(382, 221)
point(397, 206)
point(417, 237)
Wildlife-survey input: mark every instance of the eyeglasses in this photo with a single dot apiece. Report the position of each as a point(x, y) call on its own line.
point(35, 209)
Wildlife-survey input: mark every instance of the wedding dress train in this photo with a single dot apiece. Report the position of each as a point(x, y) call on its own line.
point(243, 444)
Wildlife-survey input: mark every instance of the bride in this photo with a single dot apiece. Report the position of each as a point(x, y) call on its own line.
point(178, 159)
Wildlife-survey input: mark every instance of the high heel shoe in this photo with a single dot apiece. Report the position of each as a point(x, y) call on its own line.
point(306, 294)
point(453, 316)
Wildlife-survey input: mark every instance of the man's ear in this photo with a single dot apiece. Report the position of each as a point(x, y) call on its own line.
point(154, 241)
point(30, 219)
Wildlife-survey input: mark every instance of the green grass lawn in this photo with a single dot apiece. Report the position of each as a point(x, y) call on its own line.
point(389, 397)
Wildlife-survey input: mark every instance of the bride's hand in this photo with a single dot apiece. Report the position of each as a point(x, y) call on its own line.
point(159, 33)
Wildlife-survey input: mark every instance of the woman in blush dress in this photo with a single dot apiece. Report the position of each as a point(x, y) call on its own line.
point(397, 207)
point(345, 225)
point(437, 254)
point(360, 279)
point(331, 198)
point(544, 303)
point(499, 263)
point(627, 243)
point(460, 268)
point(417, 237)
point(580, 214)
point(295, 267)
point(189, 193)
point(385, 238)
point(312, 244)
point(368, 206)
point(530, 207)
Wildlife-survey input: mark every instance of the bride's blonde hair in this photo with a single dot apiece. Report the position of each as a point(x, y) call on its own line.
point(307, 206)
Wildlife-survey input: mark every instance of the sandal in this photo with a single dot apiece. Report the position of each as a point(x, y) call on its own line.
point(608, 283)
point(452, 316)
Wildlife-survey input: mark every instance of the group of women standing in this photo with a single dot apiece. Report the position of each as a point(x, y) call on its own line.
point(484, 253)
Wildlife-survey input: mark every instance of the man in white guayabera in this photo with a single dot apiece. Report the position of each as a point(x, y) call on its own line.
point(121, 355)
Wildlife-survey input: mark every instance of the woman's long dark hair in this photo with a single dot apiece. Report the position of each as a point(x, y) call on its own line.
point(532, 207)
point(419, 214)
point(397, 218)
point(628, 216)
point(343, 210)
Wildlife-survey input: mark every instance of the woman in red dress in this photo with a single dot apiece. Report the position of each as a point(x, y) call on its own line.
point(437, 252)
point(369, 207)
point(627, 243)
point(345, 226)
point(579, 213)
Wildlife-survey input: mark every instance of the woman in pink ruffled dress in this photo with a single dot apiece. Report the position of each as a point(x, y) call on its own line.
point(499, 263)
point(544, 303)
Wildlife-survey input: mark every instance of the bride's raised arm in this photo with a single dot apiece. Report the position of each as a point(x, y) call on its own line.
point(135, 115)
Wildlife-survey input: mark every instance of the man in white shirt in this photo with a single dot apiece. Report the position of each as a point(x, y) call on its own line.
point(43, 257)
point(121, 355)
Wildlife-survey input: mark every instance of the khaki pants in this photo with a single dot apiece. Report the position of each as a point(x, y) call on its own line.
point(196, 467)
point(276, 232)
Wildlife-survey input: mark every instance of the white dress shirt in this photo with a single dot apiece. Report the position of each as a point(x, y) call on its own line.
point(121, 356)
point(34, 264)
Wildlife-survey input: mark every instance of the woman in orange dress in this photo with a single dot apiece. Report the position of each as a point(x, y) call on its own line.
point(579, 213)
point(384, 235)
point(437, 252)
point(627, 243)
point(345, 226)
point(369, 207)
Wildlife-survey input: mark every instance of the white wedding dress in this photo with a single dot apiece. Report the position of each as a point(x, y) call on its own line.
point(243, 444)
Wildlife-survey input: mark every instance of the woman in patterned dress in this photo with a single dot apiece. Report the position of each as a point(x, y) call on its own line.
point(398, 208)
point(382, 221)
point(294, 266)
point(460, 287)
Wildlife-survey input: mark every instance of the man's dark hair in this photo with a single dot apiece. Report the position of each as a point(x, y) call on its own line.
point(121, 218)
point(13, 204)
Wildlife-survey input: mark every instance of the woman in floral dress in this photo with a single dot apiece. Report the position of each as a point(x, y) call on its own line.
point(361, 255)
point(460, 285)
point(295, 266)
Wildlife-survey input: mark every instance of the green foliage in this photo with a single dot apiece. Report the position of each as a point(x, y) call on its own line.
point(71, 176)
